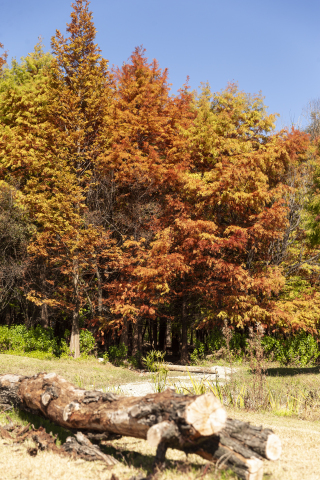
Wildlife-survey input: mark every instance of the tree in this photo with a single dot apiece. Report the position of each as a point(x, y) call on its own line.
point(216, 232)
point(147, 150)
point(52, 147)
point(3, 59)
point(15, 233)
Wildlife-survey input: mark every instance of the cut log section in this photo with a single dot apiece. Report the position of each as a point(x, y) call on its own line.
point(182, 368)
point(261, 440)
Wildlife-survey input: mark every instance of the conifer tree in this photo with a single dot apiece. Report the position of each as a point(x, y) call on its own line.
point(52, 147)
point(3, 59)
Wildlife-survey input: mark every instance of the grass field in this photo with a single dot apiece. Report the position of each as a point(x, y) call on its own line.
point(300, 432)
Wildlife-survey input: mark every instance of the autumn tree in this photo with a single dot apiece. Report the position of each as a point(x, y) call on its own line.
point(217, 230)
point(3, 59)
point(15, 233)
point(143, 163)
point(52, 148)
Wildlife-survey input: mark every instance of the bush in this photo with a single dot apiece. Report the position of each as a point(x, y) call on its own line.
point(117, 353)
point(87, 342)
point(41, 343)
point(300, 349)
point(19, 339)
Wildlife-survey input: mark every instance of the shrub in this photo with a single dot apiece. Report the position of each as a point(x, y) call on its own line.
point(87, 342)
point(41, 343)
point(19, 339)
point(117, 353)
point(300, 349)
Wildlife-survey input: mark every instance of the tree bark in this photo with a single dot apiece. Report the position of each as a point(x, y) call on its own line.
point(44, 315)
point(124, 333)
point(155, 333)
point(261, 440)
point(162, 334)
point(136, 337)
point(168, 335)
point(99, 291)
point(184, 331)
point(175, 341)
point(75, 329)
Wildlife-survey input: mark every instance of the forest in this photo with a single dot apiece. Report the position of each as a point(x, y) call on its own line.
point(145, 217)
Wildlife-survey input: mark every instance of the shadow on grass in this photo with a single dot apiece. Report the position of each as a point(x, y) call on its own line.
point(291, 371)
point(145, 462)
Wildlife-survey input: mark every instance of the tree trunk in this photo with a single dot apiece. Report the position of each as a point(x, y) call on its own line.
point(155, 333)
point(184, 332)
point(175, 341)
point(99, 291)
point(44, 315)
point(162, 334)
point(124, 333)
point(75, 330)
point(136, 341)
point(44, 306)
point(169, 337)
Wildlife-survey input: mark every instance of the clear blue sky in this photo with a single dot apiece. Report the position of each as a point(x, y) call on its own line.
point(269, 46)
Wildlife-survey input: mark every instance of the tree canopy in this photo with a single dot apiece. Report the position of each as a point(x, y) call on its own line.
point(130, 208)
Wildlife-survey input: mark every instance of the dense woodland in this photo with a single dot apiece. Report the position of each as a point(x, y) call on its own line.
point(139, 214)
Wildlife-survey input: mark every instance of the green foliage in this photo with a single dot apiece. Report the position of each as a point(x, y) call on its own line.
point(216, 341)
point(19, 339)
point(135, 360)
point(117, 354)
point(153, 359)
point(87, 342)
point(300, 349)
point(154, 362)
point(198, 352)
point(295, 287)
point(40, 342)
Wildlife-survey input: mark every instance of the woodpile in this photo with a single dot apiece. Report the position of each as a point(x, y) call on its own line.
point(192, 423)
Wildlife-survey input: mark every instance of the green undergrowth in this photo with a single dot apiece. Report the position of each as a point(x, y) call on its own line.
point(40, 342)
point(300, 349)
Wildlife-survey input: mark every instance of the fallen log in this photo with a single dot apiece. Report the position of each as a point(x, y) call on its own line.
point(194, 424)
point(182, 368)
point(61, 402)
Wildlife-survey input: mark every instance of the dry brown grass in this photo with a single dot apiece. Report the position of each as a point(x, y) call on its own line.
point(135, 455)
point(300, 459)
